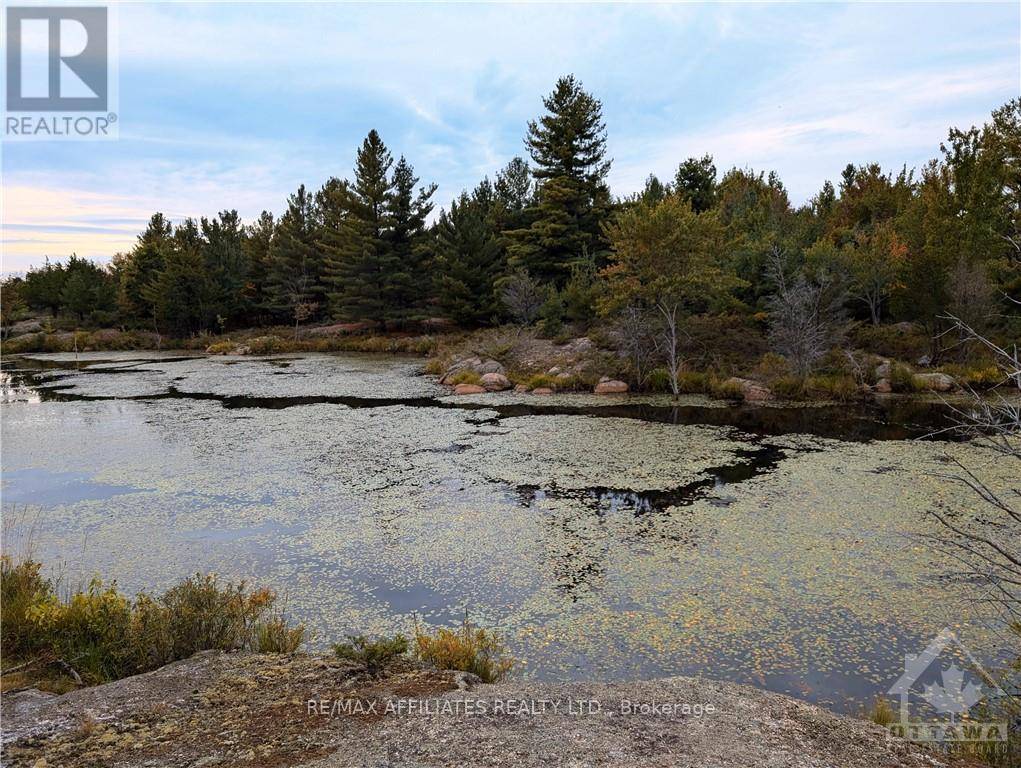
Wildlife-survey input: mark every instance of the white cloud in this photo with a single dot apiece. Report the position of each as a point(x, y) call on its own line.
point(230, 105)
point(808, 126)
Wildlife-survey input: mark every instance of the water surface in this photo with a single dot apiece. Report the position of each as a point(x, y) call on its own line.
point(604, 537)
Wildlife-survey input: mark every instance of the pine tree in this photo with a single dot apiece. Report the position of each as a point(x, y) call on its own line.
point(470, 258)
point(406, 267)
point(568, 147)
point(225, 262)
point(695, 181)
point(87, 288)
point(44, 286)
point(513, 188)
point(295, 262)
point(174, 294)
point(356, 249)
point(142, 267)
point(513, 201)
point(655, 191)
point(257, 242)
point(180, 294)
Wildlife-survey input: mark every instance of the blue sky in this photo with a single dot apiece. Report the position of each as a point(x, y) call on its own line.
point(234, 105)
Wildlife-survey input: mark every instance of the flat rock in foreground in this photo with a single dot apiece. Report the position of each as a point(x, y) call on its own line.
point(240, 709)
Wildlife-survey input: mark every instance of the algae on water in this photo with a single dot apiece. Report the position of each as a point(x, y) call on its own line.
point(806, 576)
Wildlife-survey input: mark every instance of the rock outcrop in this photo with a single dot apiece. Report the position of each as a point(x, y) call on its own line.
point(495, 382)
point(26, 326)
point(751, 391)
point(935, 382)
point(218, 709)
point(337, 329)
point(610, 387)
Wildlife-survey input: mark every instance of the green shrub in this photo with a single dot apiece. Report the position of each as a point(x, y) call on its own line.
point(977, 376)
point(772, 367)
point(87, 631)
point(602, 338)
point(435, 366)
point(572, 383)
point(726, 390)
point(205, 614)
point(374, 655)
point(104, 635)
point(788, 387)
point(897, 341)
point(469, 649)
point(835, 387)
point(693, 382)
point(267, 345)
point(722, 341)
point(551, 316)
point(21, 587)
point(881, 713)
point(658, 380)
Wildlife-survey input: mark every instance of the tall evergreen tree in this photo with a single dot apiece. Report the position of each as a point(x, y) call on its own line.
point(143, 266)
point(295, 261)
point(931, 233)
point(513, 188)
point(653, 192)
point(180, 294)
point(695, 181)
point(44, 286)
point(757, 216)
point(257, 242)
point(568, 147)
point(469, 258)
point(407, 285)
point(513, 200)
point(357, 248)
point(87, 288)
point(226, 265)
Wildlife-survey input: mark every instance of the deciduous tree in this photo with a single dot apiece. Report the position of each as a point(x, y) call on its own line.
point(666, 257)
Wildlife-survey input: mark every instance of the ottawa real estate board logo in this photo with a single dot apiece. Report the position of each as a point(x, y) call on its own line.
point(942, 702)
point(60, 79)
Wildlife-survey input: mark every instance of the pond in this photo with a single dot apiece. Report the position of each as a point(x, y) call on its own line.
point(603, 537)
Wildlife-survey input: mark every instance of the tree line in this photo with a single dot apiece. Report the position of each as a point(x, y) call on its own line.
point(545, 241)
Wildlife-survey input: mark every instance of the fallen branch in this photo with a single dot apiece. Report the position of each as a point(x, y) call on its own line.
point(19, 667)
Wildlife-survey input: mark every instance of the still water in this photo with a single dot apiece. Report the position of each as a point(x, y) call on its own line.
point(607, 537)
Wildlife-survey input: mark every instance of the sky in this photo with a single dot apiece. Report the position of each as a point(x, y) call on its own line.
point(233, 105)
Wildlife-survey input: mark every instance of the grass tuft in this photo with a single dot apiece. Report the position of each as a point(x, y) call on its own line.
point(902, 378)
point(541, 380)
point(881, 712)
point(465, 376)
